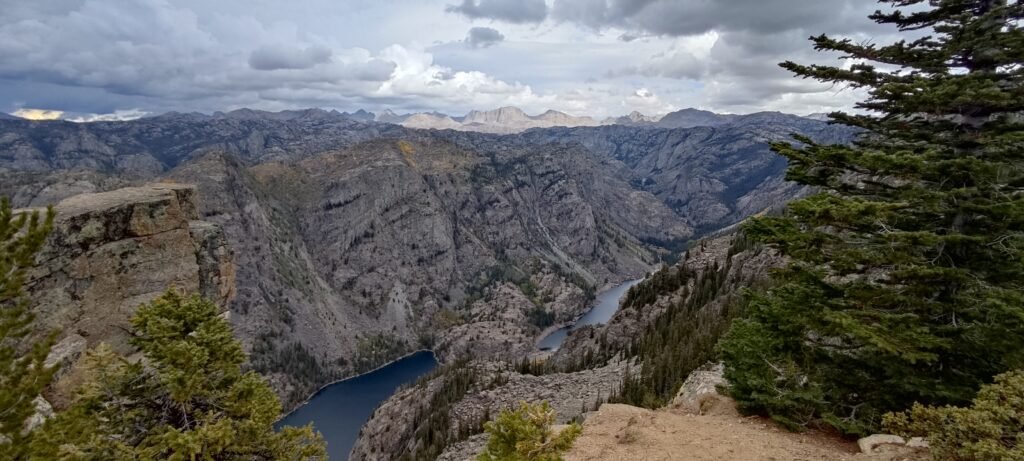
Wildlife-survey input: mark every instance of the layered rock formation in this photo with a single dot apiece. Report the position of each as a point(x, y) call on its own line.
point(110, 252)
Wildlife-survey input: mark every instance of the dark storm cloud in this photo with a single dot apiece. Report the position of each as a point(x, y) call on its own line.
point(483, 37)
point(278, 57)
point(691, 17)
point(514, 11)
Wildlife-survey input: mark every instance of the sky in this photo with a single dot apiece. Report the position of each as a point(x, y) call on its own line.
point(120, 59)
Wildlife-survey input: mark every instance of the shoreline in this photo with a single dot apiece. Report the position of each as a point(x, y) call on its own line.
point(325, 386)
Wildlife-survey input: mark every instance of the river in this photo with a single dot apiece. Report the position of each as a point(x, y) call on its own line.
point(339, 410)
point(607, 303)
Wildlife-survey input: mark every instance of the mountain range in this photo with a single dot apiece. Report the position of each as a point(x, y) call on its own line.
point(355, 241)
point(504, 120)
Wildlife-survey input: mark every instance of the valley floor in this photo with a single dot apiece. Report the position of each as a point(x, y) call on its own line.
point(623, 432)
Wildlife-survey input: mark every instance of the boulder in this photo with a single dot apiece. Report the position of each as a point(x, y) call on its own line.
point(871, 443)
point(699, 393)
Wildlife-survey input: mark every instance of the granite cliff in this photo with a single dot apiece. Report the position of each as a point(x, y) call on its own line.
point(111, 252)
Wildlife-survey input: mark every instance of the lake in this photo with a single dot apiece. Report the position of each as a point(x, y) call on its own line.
point(605, 306)
point(339, 410)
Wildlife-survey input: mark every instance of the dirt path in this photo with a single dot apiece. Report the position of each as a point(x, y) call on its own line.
point(622, 432)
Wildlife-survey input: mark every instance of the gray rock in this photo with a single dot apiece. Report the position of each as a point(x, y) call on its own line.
point(66, 352)
point(701, 382)
point(110, 252)
point(870, 443)
point(42, 413)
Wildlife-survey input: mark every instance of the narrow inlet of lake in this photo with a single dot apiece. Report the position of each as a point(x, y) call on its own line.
point(339, 410)
point(605, 306)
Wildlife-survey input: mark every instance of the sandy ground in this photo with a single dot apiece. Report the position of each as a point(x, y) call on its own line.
point(622, 432)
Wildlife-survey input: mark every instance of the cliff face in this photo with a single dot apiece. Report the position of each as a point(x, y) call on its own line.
point(353, 257)
point(110, 252)
point(713, 177)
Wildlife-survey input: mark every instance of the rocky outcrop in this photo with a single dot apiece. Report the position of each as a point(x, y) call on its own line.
point(110, 252)
point(391, 431)
point(702, 382)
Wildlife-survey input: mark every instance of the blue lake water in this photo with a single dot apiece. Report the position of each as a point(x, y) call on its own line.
point(605, 306)
point(338, 411)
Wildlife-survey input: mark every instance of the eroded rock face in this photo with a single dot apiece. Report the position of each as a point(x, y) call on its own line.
point(110, 252)
point(389, 433)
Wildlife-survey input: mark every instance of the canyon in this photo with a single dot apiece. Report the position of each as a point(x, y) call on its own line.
point(349, 242)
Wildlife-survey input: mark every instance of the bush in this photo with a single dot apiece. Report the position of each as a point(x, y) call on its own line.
point(525, 434)
point(992, 428)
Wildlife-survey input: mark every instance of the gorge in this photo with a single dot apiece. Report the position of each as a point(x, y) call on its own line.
point(354, 243)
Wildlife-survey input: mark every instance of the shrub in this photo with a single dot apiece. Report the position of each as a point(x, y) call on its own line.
point(525, 434)
point(992, 428)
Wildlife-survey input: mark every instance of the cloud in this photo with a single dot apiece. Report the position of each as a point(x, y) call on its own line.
point(88, 57)
point(514, 11)
point(119, 115)
point(483, 37)
point(38, 114)
point(691, 17)
point(646, 102)
point(279, 57)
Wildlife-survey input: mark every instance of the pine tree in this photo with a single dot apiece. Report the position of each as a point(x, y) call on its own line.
point(189, 399)
point(23, 374)
point(907, 275)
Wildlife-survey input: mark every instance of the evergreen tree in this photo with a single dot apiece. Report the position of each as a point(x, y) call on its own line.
point(525, 434)
point(907, 269)
point(188, 400)
point(22, 372)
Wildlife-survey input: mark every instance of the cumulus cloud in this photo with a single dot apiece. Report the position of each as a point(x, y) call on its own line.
point(88, 57)
point(645, 101)
point(280, 57)
point(483, 37)
point(514, 11)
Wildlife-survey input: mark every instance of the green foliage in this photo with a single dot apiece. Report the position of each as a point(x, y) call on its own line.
point(272, 354)
point(525, 434)
point(22, 372)
point(683, 337)
point(378, 350)
point(905, 281)
point(991, 429)
point(189, 399)
point(540, 317)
